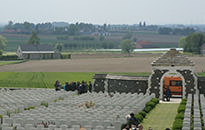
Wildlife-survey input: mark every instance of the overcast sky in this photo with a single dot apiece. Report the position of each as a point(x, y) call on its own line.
point(104, 11)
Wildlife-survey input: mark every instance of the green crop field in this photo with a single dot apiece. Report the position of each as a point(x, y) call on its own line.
point(47, 79)
point(115, 38)
point(201, 74)
point(10, 62)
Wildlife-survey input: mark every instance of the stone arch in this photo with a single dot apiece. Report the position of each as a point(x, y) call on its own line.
point(178, 75)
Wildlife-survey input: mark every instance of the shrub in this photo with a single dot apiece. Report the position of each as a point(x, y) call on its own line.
point(139, 117)
point(179, 116)
point(143, 113)
point(183, 102)
point(65, 56)
point(9, 57)
point(155, 100)
point(44, 104)
point(147, 109)
point(123, 126)
point(1, 117)
point(181, 108)
point(151, 104)
point(29, 108)
point(177, 125)
point(1, 52)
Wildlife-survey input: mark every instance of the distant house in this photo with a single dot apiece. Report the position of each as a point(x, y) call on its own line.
point(203, 49)
point(31, 51)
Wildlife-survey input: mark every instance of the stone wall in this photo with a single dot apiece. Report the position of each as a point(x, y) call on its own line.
point(189, 81)
point(121, 84)
point(127, 86)
point(99, 82)
point(201, 85)
point(155, 81)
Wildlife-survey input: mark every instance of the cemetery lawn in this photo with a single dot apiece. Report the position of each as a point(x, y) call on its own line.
point(161, 117)
point(201, 74)
point(47, 79)
point(10, 62)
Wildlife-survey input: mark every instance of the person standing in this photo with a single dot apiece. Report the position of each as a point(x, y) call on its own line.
point(66, 86)
point(132, 120)
point(168, 94)
point(90, 86)
point(57, 85)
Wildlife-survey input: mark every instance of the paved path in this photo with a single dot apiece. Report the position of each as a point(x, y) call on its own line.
point(161, 117)
point(172, 100)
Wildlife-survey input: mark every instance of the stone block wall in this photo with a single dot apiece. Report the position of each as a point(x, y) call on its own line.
point(155, 81)
point(201, 85)
point(189, 81)
point(127, 86)
point(99, 82)
point(102, 84)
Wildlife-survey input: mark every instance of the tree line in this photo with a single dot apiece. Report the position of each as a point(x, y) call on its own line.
point(49, 28)
point(192, 43)
point(176, 31)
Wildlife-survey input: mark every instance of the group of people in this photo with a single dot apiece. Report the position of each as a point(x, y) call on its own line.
point(132, 122)
point(81, 87)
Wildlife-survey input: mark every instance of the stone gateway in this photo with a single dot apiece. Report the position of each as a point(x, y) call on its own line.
point(172, 70)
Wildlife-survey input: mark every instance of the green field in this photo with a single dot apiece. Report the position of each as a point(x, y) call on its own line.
point(201, 74)
point(112, 41)
point(161, 117)
point(10, 62)
point(47, 79)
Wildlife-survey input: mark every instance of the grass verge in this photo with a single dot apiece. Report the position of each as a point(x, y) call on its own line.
point(161, 117)
point(47, 79)
point(11, 62)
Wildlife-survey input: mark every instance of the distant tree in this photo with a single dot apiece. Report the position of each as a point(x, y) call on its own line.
point(34, 39)
point(73, 29)
point(128, 35)
point(127, 46)
point(165, 31)
point(102, 38)
point(144, 24)
point(10, 25)
point(182, 42)
point(192, 43)
point(105, 27)
point(140, 24)
point(59, 47)
point(134, 39)
point(3, 42)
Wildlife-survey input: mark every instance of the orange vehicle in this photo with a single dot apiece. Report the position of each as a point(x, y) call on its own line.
point(174, 84)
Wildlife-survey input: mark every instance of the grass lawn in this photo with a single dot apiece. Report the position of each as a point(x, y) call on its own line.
point(201, 74)
point(47, 79)
point(161, 117)
point(10, 62)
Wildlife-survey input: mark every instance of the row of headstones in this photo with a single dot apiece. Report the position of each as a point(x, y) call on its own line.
point(196, 113)
point(202, 101)
point(72, 123)
point(16, 100)
point(187, 113)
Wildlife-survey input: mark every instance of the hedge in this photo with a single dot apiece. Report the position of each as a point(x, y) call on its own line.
point(65, 56)
point(148, 107)
point(178, 123)
point(8, 57)
point(142, 114)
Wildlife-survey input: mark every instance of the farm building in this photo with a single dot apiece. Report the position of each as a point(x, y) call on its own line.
point(172, 70)
point(31, 51)
point(203, 49)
